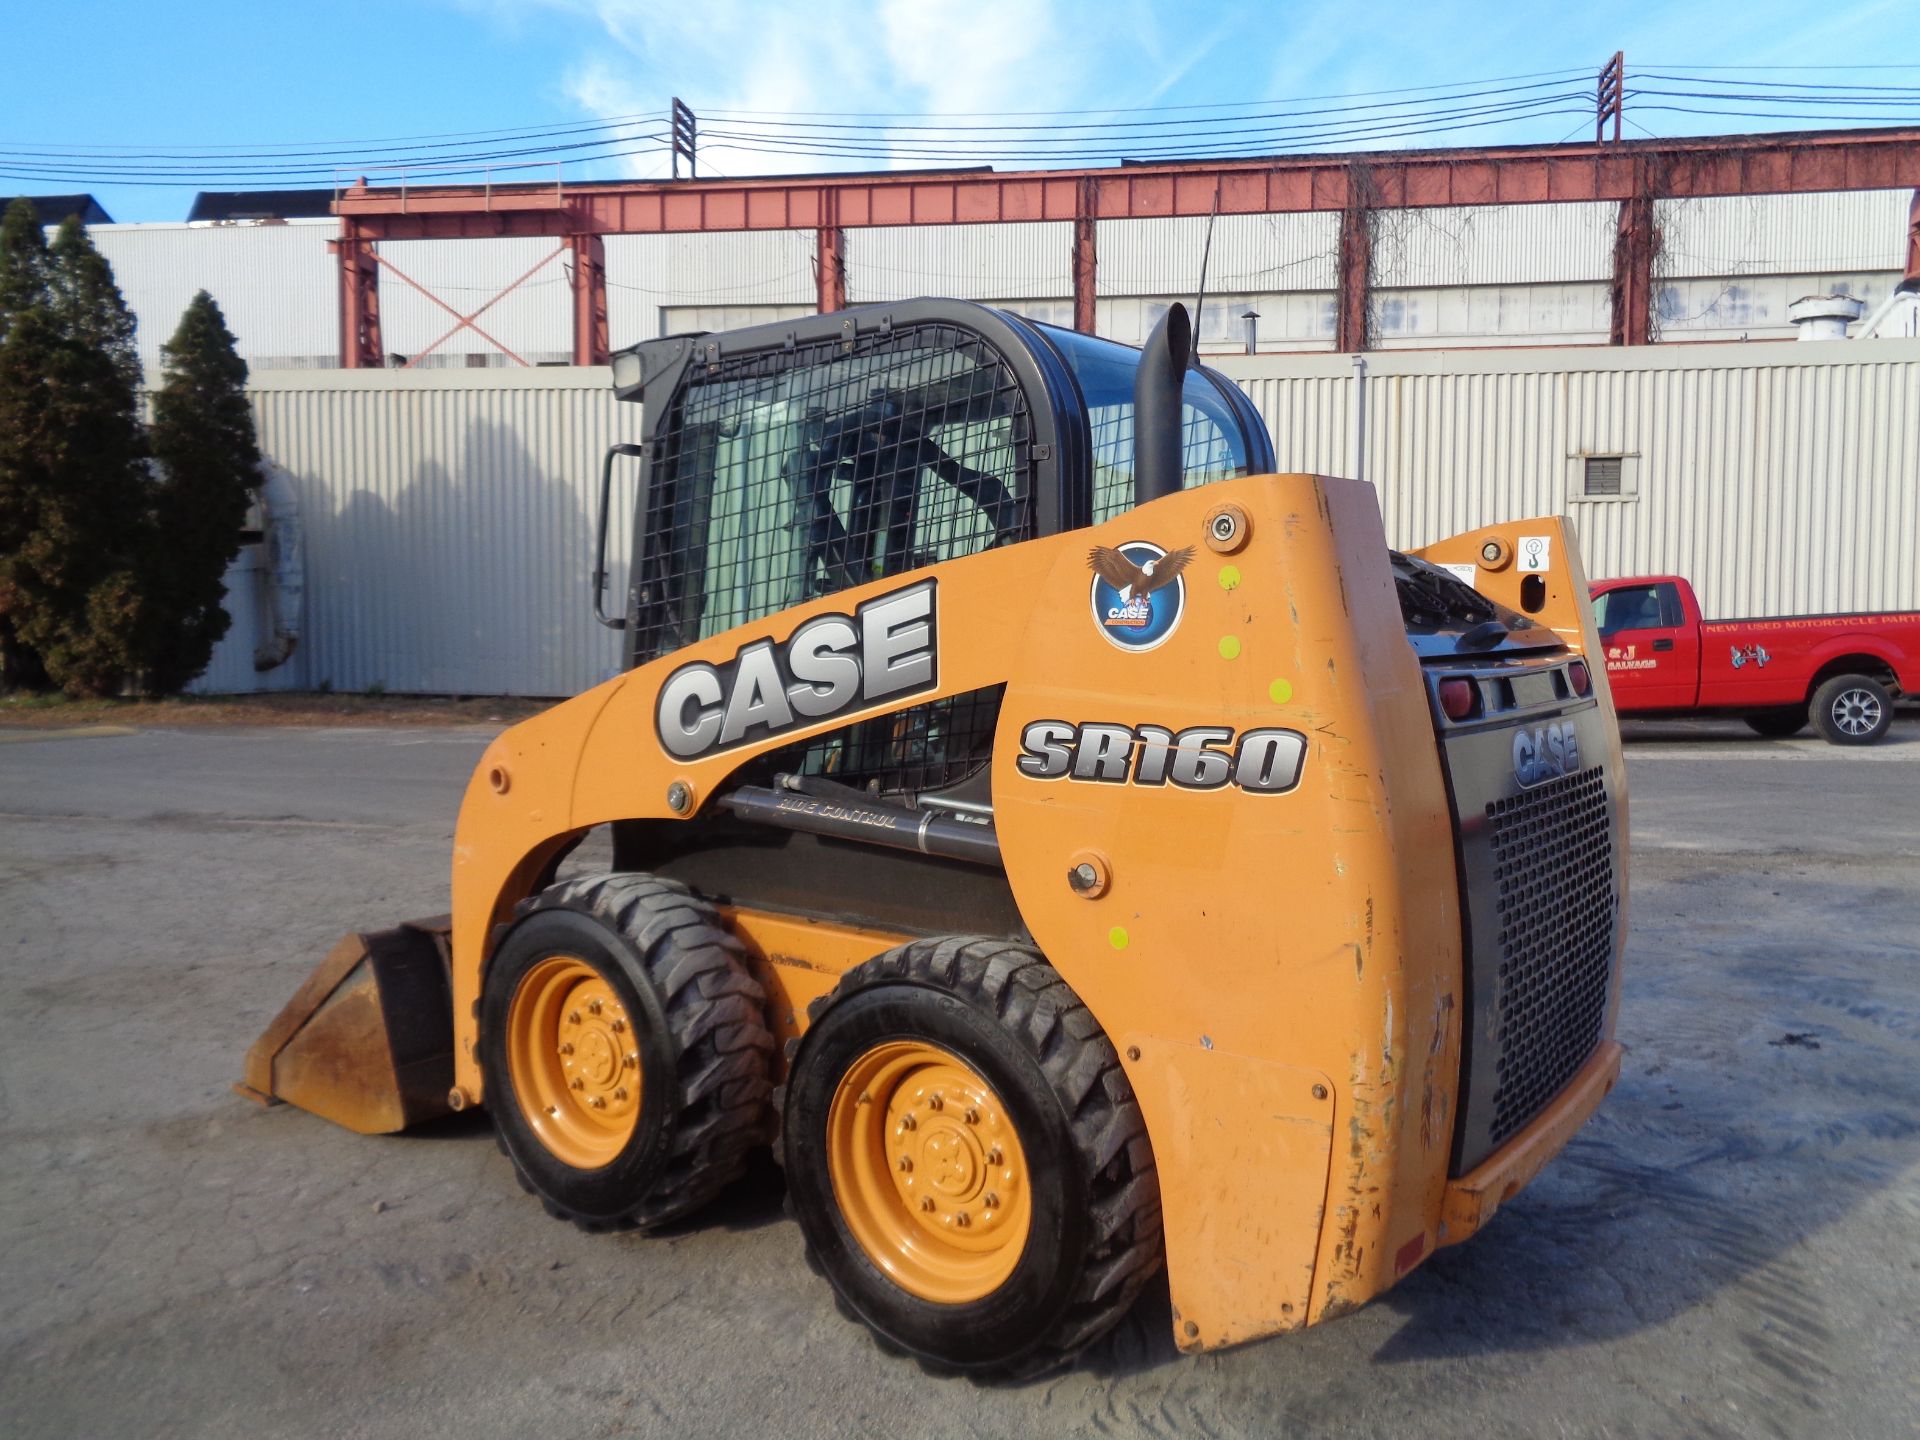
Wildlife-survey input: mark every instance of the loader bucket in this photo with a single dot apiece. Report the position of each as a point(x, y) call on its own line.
point(367, 1041)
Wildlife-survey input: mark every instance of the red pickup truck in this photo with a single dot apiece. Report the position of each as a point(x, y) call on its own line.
point(1842, 672)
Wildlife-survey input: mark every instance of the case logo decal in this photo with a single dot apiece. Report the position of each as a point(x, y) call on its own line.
point(1543, 753)
point(1138, 594)
point(832, 665)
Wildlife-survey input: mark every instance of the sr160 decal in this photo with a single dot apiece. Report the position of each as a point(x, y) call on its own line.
point(1202, 757)
point(832, 665)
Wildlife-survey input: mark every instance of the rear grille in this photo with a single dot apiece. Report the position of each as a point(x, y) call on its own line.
point(1553, 860)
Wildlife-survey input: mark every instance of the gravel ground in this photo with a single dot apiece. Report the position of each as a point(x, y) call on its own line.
point(1731, 1248)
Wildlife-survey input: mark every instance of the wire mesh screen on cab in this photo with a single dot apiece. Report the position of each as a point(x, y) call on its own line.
point(788, 474)
point(1210, 449)
point(927, 747)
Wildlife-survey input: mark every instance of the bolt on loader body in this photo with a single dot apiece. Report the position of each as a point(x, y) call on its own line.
point(1073, 846)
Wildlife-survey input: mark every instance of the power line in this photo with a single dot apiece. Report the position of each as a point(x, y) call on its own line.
point(1123, 125)
point(1803, 85)
point(511, 132)
point(1908, 101)
point(496, 159)
point(127, 160)
point(1752, 68)
point(1747, 114)
point(1223, 129)
point(1208, 135)
point(1135, 109)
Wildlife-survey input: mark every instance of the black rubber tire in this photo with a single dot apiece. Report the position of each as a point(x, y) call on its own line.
point(1095, 1235)
point(700, 1027)
point(1778, 724)
point(1838, 703)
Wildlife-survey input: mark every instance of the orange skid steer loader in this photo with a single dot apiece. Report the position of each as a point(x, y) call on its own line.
point(1073, 846)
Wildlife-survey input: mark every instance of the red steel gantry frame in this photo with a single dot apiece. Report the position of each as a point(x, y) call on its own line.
point(1632, 173)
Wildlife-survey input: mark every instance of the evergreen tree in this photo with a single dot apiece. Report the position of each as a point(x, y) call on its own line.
point(203, 438)
point(23, 261)
point(74, 487)
point(23, 290)
point(88, 305)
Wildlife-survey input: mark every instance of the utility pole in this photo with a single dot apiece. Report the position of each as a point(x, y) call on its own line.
point(686, 136)
point(1609, 97)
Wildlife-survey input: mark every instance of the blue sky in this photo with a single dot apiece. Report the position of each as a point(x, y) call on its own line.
point(205, 73)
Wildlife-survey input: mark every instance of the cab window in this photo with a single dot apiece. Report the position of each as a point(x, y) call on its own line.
point(1634, 607)
point(1217, 445)
point(785, 476)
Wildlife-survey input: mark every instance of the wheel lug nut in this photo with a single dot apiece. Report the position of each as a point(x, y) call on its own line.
point(619, 1027)
point(907, 1122)
point(906, 1165)
point(593, 1007)
point(936, 1101)
point(973, 1116)
point(993, 1156)
point(620, 1092)
point(926, 1203)
point(578, 1083)
point(632, 1061)
point(992, 1201)
point(598, 1102)
point(963, 1219)
point(566, 1047)
point(573, 1017)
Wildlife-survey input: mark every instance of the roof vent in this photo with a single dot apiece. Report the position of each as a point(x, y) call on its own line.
point(1824, 317)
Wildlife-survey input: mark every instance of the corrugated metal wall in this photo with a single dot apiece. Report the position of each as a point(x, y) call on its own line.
point(1494, 244)
point(1251, 254)
point(1567, 314)
point(1781, 479)
point(448, 518)
point(1784, 234)
point(764, 272)
point(448, 514)
point(1032, 261)
point(275, 283)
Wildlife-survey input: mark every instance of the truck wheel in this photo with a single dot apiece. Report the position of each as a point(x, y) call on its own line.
point(1778, 724)
point(1852, 710)
point(966, 1159)
point(625, 1049)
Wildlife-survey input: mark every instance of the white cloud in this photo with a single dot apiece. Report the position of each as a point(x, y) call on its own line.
point(974, 55)
point(904, 58)
point(907, 60)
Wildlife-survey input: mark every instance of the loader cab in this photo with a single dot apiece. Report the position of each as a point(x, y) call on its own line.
point(789, 461)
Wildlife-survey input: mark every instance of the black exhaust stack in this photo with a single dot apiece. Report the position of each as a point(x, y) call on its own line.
point(1158, 436)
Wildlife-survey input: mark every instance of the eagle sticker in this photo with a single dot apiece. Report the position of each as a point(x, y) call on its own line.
point(1138, 593)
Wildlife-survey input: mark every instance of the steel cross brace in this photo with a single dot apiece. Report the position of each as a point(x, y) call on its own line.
point(466, 322)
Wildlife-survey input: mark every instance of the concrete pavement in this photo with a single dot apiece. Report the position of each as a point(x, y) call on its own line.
point(1731, 1248)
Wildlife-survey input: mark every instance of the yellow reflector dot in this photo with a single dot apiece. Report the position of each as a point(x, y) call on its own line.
point(1280, 692)
point(1229, 577)
point(1229, 647)
point(1117, 937)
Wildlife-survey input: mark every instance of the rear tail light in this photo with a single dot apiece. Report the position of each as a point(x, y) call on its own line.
point(1458, 698)
point(1578, 677)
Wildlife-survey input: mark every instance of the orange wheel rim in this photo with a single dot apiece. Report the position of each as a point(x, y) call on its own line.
point(575, 1062)
point(929, 1172)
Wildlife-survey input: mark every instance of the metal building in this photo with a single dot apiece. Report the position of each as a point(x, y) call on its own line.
point(1619, 242)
